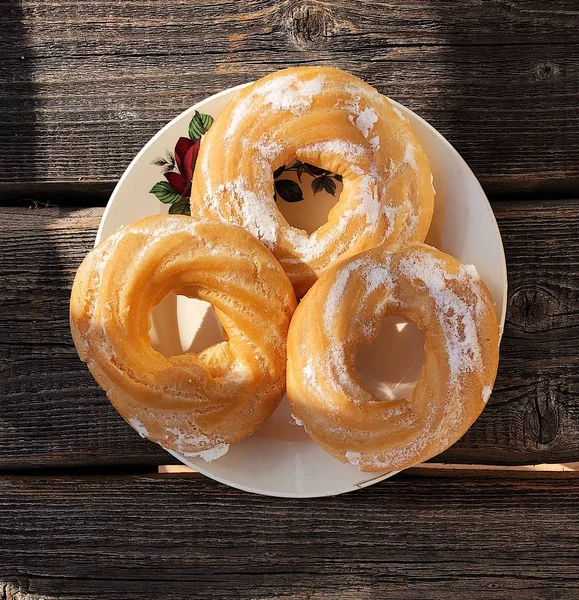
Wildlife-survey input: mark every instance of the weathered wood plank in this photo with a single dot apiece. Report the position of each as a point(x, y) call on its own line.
point(179, 537)
point(94, 80)
point(52, 413)
point(534, 413)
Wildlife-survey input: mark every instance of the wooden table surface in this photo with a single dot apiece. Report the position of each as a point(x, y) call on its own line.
point(83, 512)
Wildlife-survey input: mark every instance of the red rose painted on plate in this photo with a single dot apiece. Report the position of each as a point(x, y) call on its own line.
point(179, 165)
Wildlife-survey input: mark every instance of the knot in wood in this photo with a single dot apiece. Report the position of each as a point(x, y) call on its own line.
point(542, 418)
point(547, 70)
point(529, 307)
point(308, 23)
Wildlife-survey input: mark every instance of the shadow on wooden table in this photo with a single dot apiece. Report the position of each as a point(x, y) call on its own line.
point(17, 101)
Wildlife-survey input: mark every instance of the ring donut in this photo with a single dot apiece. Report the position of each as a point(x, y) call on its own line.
point(195, 404)
point(333, 120)
point(345, 309)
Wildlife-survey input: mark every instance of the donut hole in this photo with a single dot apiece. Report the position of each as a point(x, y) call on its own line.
point(180, 324)
point(390, 367)
point(305, 194)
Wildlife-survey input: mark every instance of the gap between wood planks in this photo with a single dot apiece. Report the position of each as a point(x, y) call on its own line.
point(97, 194)
point(450, 470)
point(539, 471)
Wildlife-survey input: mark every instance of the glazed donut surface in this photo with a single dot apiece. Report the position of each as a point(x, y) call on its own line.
point(195, 404)
point(345, 309)
point(333, 120)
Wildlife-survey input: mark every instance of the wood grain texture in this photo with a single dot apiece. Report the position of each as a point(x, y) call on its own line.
point(533, 415)
point(178, 537)
point(52, 413)
point(85, 84)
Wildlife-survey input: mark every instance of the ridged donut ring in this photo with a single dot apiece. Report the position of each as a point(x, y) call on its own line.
point(334, 120)
point(345, 309)
point(195, 404)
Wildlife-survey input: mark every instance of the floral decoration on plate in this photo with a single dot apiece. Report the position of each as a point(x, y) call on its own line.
point(290, 191)
point(178, 168)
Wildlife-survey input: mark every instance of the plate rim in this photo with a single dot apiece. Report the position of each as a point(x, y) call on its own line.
point(498, 238)
point(251, 490)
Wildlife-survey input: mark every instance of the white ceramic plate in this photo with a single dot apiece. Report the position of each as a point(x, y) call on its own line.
point(280, 459)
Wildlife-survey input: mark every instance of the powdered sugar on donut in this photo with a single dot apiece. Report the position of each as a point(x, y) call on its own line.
point(398, 112)
point(472, 272)
point(285, 93)
point(409, 156)
point(357, 91)
point(353, 458)
point(333, 363)
point(269, 149)
point(347, 150)
point(403, 452)
point(211, 454)
point(296, 421)
point(486, 393)
point(412, 217)
point(291, 93)
point(365, 121)
point(458, 317)
point(184, 441)
point(308, 370)
point(258, 217)
point(373, 275)
point(336, 294)
point(139, 427)
point(376, 276)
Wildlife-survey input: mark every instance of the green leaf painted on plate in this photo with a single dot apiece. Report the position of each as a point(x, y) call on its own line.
point(165, 193)
point(300, 170)
point(278, 171)
point(315, 171)
point(324, 182)
point(181, 207)
point(167, 164)
point(290, 191)
point(200, 124)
